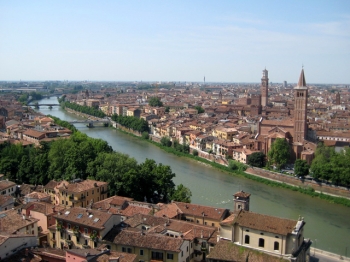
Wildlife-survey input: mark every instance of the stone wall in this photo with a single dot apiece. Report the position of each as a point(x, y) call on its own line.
point(282, 178)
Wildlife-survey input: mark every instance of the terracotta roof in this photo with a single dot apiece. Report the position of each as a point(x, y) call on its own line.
point(227, 251)
point(199, 210)
point(168, 210)
point(134, 210)
point(4, 184)
point(91, 218)
point(242, 194)
point(52, 184)
point(11, 221)
point(117, 256)
point(152, 241)
point(80, 186)
point(265, 223)
point(114, 201)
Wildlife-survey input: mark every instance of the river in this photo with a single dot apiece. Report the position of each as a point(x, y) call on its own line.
point(327, 224)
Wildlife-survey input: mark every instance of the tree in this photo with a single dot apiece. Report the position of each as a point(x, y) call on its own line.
point(182, 194)
point(257, 159)
point(165, 141)
point(155, 101)
point(199, 109)
point(301, 168)
point(279, 153)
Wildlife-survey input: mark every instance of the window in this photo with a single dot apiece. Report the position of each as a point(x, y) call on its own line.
point(78, 239)
point(276, 246)
point(92, 191)
point(141, 252)
point(129, 250)
point(182, 253)
point(261, 242)
point(62, 202)
point(246, 239)
point(212, 224)
point(169, 256)
point(85, 230)
point(157, 255)
point(68, 226)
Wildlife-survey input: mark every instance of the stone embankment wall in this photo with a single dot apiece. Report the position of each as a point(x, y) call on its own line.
point(320, 187)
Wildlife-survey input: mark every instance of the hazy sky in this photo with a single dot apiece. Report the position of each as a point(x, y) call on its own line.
point(225, 41)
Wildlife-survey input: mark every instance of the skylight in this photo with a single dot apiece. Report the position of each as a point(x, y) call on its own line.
point(67, 213)
point(79, 215)
point(96, 220)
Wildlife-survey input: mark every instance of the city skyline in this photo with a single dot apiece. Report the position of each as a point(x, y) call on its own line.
point(175, 41)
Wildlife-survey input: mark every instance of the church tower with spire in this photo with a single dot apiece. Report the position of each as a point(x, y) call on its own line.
point(300, 110)
point(264, 87)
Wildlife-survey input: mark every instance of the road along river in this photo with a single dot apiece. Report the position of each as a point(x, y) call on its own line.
point(327, 224)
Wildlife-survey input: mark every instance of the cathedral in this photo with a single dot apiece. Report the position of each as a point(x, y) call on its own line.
point(293, 129)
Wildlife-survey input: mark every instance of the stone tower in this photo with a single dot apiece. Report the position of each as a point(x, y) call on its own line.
point(241, 201)
point(300, 110)
point(264, 87)
point(337, 99)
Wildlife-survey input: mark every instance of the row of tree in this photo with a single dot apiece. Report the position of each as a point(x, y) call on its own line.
point(331, 165)
point(24, 98)
point(134, 123)
point(83, 157)
point(327, 165)
point(93, 111)
point(184, 148)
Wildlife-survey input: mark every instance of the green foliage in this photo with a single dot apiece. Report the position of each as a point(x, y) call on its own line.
point(195, 152)
point(279, 153)
point(235, 165)
point(301, 168)
point(330, 165)
point(134, 123)
point(84, 109)
point(184, 148)
point(257, 159)
point(145, 135)
point(199, 109)
point(167, 109)
point(155, 101)
point(182, 194)
point(63, 123)
point(62, 99)
point(165, 141)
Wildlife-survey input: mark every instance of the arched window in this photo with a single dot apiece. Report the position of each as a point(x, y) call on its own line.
point(261, 242)
point(246, 239)
point(276, 246)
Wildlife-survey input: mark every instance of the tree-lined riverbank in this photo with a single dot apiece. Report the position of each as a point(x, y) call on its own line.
point(325, 221)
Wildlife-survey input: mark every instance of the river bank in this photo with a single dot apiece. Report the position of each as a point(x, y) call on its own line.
point(326, 222)
point(324, 192)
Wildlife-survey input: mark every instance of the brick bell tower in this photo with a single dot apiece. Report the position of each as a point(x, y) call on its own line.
point(300, 109)
point(264, 87)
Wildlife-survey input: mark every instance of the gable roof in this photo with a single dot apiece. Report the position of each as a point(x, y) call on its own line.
point(151, 241)
point(266, 223)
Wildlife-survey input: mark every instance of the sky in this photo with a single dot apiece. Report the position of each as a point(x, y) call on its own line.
point(127, 40)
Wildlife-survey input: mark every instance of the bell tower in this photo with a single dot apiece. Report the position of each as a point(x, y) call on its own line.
point(264, 87)
point(300, 109)
point(241, 201)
